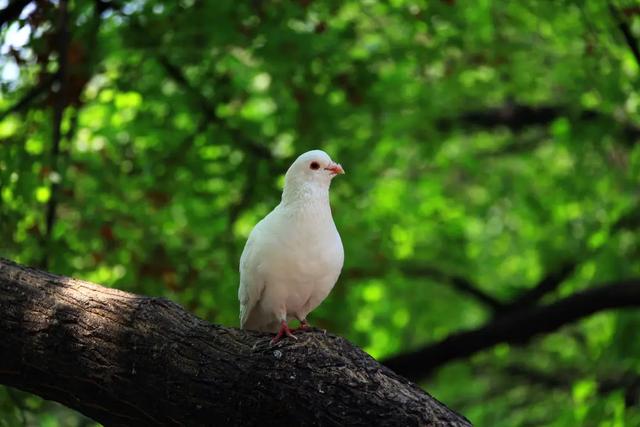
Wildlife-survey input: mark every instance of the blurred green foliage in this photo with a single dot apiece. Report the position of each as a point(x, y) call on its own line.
point(492, 140)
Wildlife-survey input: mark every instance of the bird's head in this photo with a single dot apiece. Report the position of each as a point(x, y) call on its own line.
point(313, 166)
point(313, 169)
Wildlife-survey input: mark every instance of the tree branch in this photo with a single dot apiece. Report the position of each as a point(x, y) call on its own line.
point(624, 27)
point(519, 116)
point(547, 284)
point(457, 282)
point(516, 327)
point(124, 359)
point(460, 283)
point(12, 11)
point(59, 107)
point(178, 77)
point(628, 381)
point(552, 280)
point(630, 220)
point(32, 94)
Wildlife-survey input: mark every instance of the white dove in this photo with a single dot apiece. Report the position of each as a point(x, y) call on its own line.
point(294, 255)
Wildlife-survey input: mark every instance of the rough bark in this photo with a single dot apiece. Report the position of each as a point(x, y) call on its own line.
point(124, 359)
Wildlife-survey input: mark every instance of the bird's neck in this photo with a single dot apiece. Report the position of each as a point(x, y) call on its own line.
point(311, 197)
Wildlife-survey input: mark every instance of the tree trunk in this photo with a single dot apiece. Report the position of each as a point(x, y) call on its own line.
point(124, 359)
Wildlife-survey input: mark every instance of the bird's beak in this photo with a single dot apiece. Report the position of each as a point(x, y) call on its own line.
point(335, 168)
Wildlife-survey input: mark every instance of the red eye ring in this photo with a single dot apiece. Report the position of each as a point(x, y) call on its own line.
point(314, 165)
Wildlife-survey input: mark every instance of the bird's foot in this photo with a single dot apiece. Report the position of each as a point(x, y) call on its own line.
point(304, 325)
point(284, 331)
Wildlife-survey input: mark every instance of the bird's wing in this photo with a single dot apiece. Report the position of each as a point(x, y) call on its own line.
point(251, 284)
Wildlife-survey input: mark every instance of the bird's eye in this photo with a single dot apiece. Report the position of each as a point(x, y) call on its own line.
point(314, 165)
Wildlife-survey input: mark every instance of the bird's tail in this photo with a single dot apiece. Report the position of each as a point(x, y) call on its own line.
point(255, 321)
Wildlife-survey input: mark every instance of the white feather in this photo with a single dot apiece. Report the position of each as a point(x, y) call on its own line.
point(294, 255)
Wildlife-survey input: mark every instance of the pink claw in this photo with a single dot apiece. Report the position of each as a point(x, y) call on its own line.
point(284, 331)
point(303, 327)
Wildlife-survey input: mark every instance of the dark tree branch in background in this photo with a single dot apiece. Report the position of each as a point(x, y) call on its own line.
point(536, 376)
point(549, 283)
point(460, 283)
point(518, 148)
point(32, 94)
point(528, 297)
point(513, 116)
point(60, 104)
point(629, 382)
point(12, 11)
point(518, 116)
point(176, 74)
point(124, 359)
point(516, 327)
point(624, 27)
point(552, 280)
point(64, 76)
point(630, 220)
point(457, 282)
